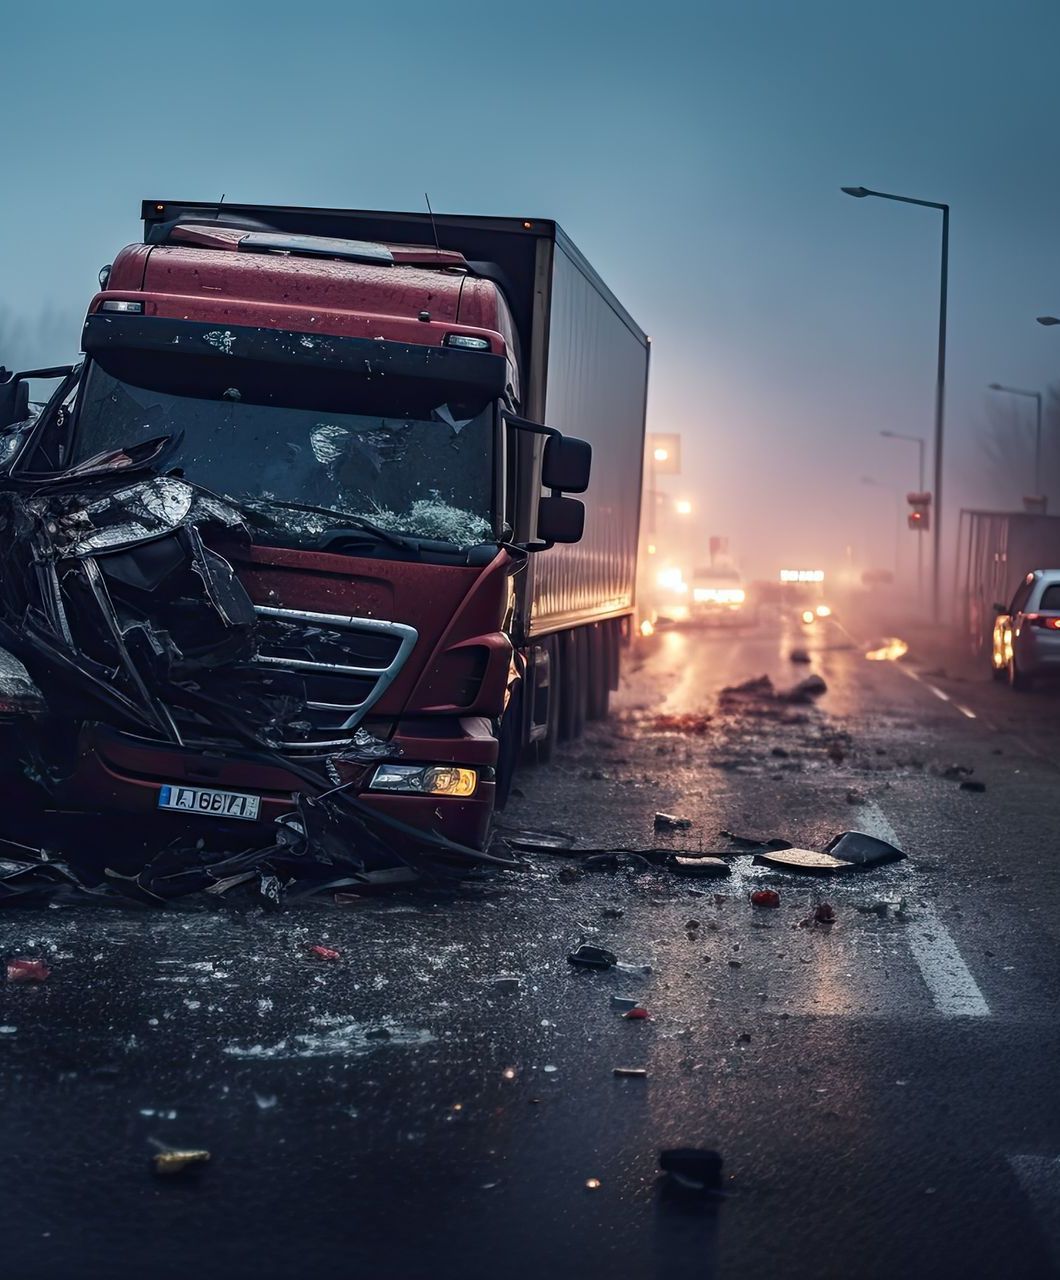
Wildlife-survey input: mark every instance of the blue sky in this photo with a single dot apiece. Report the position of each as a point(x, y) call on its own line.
point(694, 153)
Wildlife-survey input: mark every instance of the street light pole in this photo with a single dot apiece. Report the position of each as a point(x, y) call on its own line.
point(940, 378)
point(1036, 396)
point(919, 442)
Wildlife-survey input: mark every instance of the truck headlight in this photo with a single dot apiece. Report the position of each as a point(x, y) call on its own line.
point(425, 779)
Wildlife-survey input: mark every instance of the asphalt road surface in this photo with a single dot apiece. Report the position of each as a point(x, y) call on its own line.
point(883, 1091)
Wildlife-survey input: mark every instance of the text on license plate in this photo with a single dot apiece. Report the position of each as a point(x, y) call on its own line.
point(211, 804)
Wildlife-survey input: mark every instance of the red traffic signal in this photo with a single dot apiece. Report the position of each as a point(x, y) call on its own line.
point(919, 511)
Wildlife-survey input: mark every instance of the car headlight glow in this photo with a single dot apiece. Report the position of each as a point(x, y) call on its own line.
point(425, 779)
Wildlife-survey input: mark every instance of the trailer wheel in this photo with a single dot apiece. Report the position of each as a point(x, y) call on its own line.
point(599, 676)
point(573, 685)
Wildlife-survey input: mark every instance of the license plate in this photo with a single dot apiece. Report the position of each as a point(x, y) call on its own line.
point(209, 804)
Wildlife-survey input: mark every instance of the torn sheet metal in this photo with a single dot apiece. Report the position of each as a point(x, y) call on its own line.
point(119, 606)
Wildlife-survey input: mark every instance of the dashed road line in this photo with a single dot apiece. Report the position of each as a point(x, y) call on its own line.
point(949, 980)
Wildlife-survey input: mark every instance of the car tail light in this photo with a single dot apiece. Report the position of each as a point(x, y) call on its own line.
point(1051, 623)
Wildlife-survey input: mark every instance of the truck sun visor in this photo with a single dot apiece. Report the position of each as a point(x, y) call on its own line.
point(368, 357)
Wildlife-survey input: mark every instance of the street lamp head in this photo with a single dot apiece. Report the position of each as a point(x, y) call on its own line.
point(661, 455)
point(683, 507)
point(859, 193)
point(1048, 320)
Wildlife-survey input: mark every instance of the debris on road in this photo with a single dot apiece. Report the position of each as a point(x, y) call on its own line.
point(700, 866)
point(799, 655)
point(765, 898)
point(324, 953)
point(167, 1163)
point(845, 852)
point(955, 772)
point(692, 1168)
point(637, 1014)
point(970, 785)
point(806, 691)
point(590, 957)
point(624, 1003)
point(863, 850)
point(631, 1073)
point(669, 822)
point(822, 914)
point(539, 841)
point(808, 860)
point(35, 970)
point(753, 842)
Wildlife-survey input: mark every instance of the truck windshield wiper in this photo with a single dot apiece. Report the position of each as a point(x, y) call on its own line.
point(341, 518)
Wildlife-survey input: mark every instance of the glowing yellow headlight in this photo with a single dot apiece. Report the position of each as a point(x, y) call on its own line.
point(431, 780)
point(823, 611)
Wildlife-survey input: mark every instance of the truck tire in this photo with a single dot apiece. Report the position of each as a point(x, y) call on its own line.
point(599, 682)
point(546, 746)
point(510, 743)
point(573, 684)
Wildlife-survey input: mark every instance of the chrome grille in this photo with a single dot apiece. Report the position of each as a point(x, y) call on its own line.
point(344, 664)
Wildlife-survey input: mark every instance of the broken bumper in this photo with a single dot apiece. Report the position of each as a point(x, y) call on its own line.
point(122, 775)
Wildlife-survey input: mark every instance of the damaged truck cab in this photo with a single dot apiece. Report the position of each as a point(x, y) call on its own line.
point(277, 533)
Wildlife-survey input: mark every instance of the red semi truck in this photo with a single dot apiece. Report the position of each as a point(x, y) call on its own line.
point(398, 404)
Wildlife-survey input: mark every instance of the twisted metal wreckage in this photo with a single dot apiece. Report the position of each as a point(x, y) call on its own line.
point(118, 607)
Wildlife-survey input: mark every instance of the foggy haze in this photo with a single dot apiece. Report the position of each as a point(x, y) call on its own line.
point(694, 154)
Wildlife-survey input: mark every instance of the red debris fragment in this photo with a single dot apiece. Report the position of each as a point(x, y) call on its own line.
point(823, 913)
point(27, 970)
point(637, 1014)
point(325, 953)
point(765, 898)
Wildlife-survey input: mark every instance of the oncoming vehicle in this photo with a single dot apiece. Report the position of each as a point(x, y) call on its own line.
point(1027, 631)
point(718, 595)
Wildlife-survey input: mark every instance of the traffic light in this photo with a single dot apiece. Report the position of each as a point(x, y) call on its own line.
point(919, 511)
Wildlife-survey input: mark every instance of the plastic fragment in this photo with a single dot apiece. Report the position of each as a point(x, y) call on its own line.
point(638, 1014)
point(167, 1163)
point(972, 785)
point(631, 1073)
point(591, 957)
point(670, 822)
point(325, 953)
point(765, 898)
point(27, 970)
point(624, 1003)
point(706, 866)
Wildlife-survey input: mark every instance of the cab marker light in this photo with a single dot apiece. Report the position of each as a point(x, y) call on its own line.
point(119, 304)
point(466, 342)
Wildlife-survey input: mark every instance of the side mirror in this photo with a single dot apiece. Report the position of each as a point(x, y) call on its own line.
point(14, 398)
point(560, 520)
point(566, 466)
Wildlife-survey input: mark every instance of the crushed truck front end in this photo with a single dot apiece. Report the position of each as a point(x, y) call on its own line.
point(260, 536)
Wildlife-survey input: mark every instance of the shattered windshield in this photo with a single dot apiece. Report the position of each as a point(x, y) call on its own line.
point(293, 454)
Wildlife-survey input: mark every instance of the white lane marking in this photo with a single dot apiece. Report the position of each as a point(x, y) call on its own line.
point(953, 989)
point(1039, 1178)
point(906, 671)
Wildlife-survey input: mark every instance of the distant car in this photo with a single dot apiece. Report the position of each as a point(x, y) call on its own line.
point(718, 595)
point(1027, 631)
